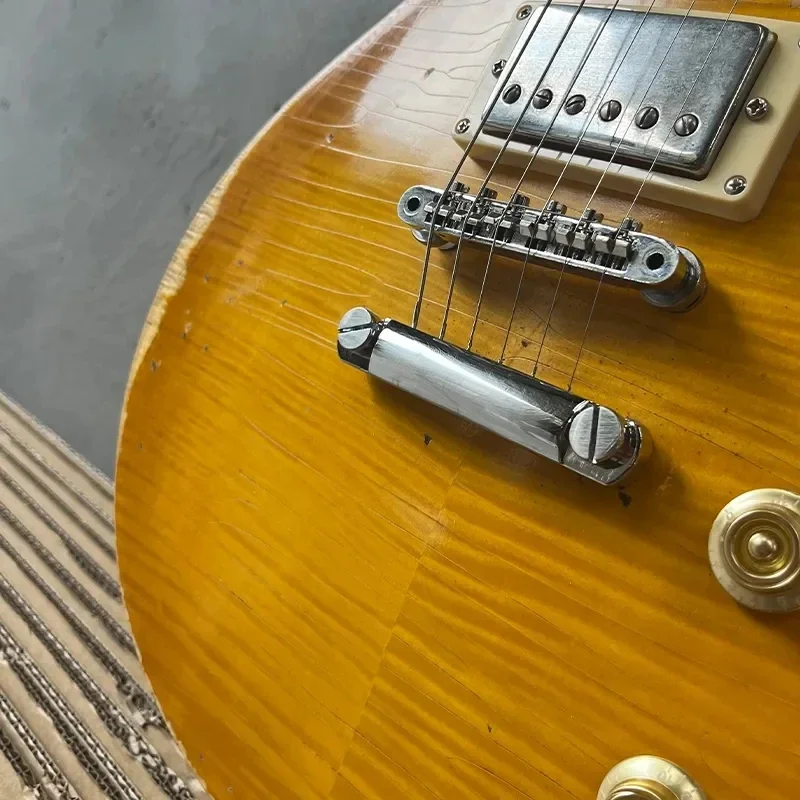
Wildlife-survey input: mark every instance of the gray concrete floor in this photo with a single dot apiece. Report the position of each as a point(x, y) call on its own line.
point(116, 119)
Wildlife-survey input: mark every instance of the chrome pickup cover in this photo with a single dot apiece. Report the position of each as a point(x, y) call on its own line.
point(639, 90)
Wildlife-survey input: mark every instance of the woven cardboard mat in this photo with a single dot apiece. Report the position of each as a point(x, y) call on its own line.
point(77, 715)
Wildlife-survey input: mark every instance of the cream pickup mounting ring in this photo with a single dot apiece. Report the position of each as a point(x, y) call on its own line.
point(665, 102)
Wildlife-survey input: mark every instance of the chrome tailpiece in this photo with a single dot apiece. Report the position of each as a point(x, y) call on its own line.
point(668, 277)
point(589, 439)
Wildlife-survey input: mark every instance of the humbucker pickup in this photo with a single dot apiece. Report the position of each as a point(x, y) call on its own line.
point(683, 106)
point(668, 276)
point(644, 69)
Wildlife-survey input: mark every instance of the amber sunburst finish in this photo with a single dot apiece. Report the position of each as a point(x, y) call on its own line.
point(341, 592)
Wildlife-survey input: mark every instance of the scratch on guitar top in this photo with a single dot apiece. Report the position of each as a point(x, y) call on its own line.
point(428, 51)
point(412, 66)
point(367, 111)
point(365, 91)
point(487, 771)
point(417, 28)
point(408, 82)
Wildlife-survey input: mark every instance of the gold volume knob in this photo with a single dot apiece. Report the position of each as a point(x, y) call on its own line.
point(648, 778)
point(754, 549)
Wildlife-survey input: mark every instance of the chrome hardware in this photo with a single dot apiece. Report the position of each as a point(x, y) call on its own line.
point(686, 124)
point(524, 12)
point(610, 110)
point(648, 778)
point(512, 93)
point(542, 98)
point(620, 71)
point(575, 104)
point(754, 549)
point(520, 408)
point(756, 108)
point(669, 277)
point(498, 67)
point(736, 184)
point(647, 117)
point(462, 126)
point(597, 433)
point(438, 242)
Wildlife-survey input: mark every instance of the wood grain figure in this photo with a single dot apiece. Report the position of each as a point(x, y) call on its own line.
point(341, 592)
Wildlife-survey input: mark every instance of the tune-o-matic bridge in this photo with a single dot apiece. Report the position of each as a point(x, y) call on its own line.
point(668, 276)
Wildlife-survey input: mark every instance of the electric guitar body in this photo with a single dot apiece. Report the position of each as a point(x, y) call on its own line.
point(478, 565)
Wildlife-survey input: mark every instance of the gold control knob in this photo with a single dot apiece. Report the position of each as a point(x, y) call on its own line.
point(754, 549)
point(648, 778)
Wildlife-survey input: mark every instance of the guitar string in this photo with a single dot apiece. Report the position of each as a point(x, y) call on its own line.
point(497, 160)
point(644, 181)
point(590, 117)
point(567, 94)
point(478, 129)
point(559, 282)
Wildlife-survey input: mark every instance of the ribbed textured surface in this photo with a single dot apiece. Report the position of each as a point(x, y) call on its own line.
point(77, 716)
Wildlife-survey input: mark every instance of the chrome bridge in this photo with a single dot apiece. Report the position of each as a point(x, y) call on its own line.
point(668, 277)
point(589, 439)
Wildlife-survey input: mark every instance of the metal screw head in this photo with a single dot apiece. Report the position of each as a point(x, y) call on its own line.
point(736, 184)
point(498, 67)
point(355, 328)
point(596, 433)
point(437, 241)
point(512, 94)
point(524, 12)
point(610, 110)
point(542, 98)
point(462, 126)
point(647, 117)
point(575, 104)
point(555, 207)
point(756, 108)
point(686, 124)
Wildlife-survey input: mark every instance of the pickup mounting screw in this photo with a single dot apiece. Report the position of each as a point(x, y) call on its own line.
point(686, 124)
point(736, 184)
point(610, 110)
point(647, 117)
point(524, 12)
point(512, 94)
point(498, 67)
point(542, 98)
point(756, 108)
point(575, 104)
point(462, 126)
